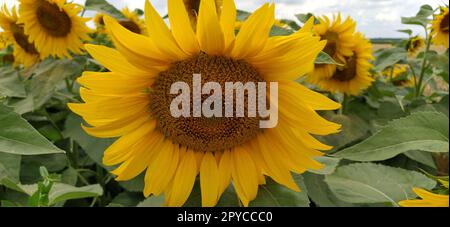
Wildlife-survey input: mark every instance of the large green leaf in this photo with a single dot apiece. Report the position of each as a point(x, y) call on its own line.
point(63, 192)
point(11, 165)
point(319, 192)
point(375, 183)
point(425, 131)
point(325, 59)
point(103, 6)
point(10, 83)
point(422, 18)
point(273, 194)
point(18, 137)
point(153, 201)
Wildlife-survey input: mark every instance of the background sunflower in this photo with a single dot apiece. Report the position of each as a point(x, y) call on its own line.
point(24, 52)
point(440, 28)
point(414, 45)
point(54, 26)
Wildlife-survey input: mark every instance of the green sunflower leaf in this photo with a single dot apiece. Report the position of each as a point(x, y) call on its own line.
point(325, 59)
point(424, 131)
point(63, 192)
point(18, 137)
point(104, 7)
point(422, 17)
point(10, 83)
point(374, 183)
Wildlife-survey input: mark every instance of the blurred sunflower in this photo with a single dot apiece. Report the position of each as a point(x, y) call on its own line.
point(54, 26)
point(132, 22)
point(440, 28)
point(99, 23)
point(414, 45)
point(133, 102)
point(340, 43)
point(3, 41)
point(24, 52)
point(428, 199)
point(354, 76)
point(399, 76)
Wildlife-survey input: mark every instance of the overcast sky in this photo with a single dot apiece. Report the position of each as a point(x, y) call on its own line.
point(376, 18)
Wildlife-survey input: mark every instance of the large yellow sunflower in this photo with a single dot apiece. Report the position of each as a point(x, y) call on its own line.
point(440, 28)
point(354, 76)
point(414, 45)
point(193, 6)
point(132, 102)
point(24, 52)
point(54, 26)
point(339, 37)
point(99, 23)
point(428, 199)
point(399, 75)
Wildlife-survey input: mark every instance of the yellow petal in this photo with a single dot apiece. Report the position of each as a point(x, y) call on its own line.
point(183, 181)
point(209, 180)
point(209, 31)
point(224, 171)
point(227, 21)
point(245, 176)
point(254, 33)
point(181, 27)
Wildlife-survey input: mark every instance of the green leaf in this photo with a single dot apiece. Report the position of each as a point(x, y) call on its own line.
point(423, 157)
point(441, 64)
point(407, 31)
point(127, 199)
point(302, 17)
point(375, 183)
point(11, 165)
point(273, 194)
point(18, 137)
point(48, 78)
point(389, 57)
point(104, 7)
point(153, 201)
point(10, 83)
point(242, 15)
point(425, 131)
point(279, 31)
point(319, 192)
point(63, 192)
point(329, 163)
point(422, 17)
point(325, 59)
point(353, 129)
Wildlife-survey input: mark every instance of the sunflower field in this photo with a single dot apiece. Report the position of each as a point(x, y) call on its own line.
point(86, 121)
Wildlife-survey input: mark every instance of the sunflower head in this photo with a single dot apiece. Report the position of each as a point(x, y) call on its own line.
point(428, 199)
point(193, 7)
point(414, 45)
point(132, 103)
point(54, 26)
point(24, 51)
point(352, 77)
point(99, 22)
point(440, 28)
point(399, 76)
point(339, 37)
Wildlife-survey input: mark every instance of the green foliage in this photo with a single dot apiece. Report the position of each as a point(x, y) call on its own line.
point(104, 7)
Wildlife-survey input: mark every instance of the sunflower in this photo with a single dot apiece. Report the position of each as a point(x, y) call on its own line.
point(99, 23)
point(3, 41)
point(440, 28)
point(399, 75)
point(278, 23)
point(428, 199)
point(132, 102)
point(414, 45)
point(132, 22)
point(24, 52)
point(339, 37)
point(354, 76)
point(54, 26)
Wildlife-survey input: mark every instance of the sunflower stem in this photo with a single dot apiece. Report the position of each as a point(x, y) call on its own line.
point(424, 63)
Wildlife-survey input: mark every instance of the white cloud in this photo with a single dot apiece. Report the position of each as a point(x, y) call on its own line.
point(376, 18)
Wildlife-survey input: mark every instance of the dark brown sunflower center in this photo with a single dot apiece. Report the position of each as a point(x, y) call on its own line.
point(209, 134)
point(22, 39)
point(331, 47)
point(131, 26)
point(444, 23)
point(348, 72)
point(400, 83)
point(55, 21)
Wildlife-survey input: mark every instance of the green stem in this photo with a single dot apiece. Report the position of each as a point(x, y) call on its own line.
point(424, 63)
